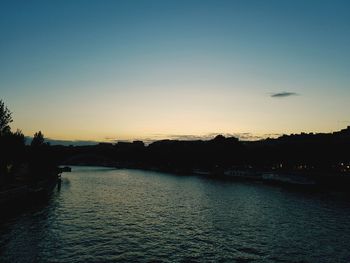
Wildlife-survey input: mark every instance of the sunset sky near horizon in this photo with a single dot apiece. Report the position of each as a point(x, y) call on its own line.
point(105, 70)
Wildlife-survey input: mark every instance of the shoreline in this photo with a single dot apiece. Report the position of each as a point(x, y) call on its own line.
point(304, 180)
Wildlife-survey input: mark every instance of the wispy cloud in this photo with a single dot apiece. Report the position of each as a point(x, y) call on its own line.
point(283, 94)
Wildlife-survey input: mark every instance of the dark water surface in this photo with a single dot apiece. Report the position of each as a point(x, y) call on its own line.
point(104, 215)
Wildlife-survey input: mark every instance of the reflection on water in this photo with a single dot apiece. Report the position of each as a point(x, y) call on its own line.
point(106, 215)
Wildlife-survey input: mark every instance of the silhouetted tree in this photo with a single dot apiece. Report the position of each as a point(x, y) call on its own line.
point(5, 118)
point(20, 163)
point(12, 145)
point(38, 139)
point(41, 161)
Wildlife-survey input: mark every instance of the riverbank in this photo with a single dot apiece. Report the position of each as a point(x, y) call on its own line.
point(296, 179)
point(25, 191)
point(304, 180)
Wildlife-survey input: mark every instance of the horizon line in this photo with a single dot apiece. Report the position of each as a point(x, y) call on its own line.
point(243, 136)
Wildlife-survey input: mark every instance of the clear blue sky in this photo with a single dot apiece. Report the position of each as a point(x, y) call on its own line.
point(133, 69)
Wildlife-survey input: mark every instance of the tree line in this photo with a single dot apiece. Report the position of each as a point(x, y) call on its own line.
point(21, 163)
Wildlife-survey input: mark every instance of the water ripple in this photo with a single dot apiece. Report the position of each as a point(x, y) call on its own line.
point(105, 215)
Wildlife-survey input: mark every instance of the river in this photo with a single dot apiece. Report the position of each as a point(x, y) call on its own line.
point(108, 215)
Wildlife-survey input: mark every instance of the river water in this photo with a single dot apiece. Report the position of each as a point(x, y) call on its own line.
point(107, 215)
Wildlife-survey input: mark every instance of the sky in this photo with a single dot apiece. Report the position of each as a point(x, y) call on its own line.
point(133, 69)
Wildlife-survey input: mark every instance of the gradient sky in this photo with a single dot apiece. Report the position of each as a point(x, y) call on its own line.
point(101, 70)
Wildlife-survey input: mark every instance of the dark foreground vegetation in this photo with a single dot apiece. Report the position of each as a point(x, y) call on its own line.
point(26, 171)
